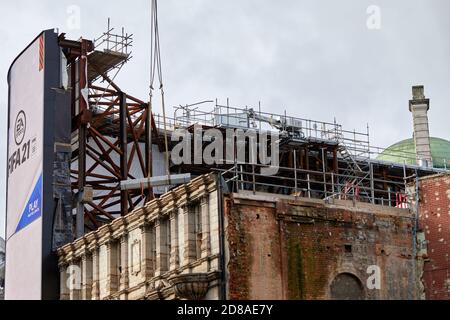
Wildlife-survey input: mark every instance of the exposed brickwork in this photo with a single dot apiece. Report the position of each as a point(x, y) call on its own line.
point(287, 249)
point(239, 253)
point(336, 241)
point(435, 223)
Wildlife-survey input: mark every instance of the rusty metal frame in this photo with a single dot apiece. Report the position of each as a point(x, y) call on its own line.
point(112, 133)
point(118, 127)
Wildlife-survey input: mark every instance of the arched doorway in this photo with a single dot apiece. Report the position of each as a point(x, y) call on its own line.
point(346, 286)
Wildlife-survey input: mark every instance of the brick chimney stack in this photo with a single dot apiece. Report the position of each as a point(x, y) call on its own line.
point(419, 107)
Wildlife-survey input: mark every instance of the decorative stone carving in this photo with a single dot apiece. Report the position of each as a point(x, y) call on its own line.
point(192, 286)
point(136, 257)
point(150, 256)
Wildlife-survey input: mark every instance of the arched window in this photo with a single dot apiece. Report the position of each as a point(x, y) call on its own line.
point(346, 286)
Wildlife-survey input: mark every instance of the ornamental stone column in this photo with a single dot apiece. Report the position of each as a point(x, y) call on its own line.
point(111, 254)
point(64, 293)
point(190, 238)
point(162, 252)
point(174, 252)
point(95, 274)
point(206, 233)
point(74, 280)
point(124, 278)
point(86, 276)
point(147, 249)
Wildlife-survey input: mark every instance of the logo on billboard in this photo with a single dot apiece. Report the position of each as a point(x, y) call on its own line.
point(33, 209)
point(41, 53)
point(20, 127)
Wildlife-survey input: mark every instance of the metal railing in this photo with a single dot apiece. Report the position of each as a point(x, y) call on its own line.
point(314, 184)
point(253, 118)
point(110, 42)
point(356, 143)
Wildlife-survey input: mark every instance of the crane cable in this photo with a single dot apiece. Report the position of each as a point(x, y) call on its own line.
point(156, 67)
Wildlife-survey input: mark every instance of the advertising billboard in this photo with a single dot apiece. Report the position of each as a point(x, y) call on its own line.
point(32, 80)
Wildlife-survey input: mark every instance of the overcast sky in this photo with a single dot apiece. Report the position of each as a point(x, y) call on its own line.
point(314, 58)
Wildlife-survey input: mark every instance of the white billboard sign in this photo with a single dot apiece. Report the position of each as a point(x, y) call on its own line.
point(25, 167)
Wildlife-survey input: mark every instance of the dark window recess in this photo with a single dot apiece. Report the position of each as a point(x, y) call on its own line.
point(347, 287)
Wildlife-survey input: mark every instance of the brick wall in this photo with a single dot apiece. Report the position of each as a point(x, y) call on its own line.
point(434, 219)
point(254, 252)
point(283, 248)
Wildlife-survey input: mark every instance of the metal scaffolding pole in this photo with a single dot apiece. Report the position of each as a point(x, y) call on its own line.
point(309, 186)
point(148, 150)
point(372, 184)
point(295, 171)
point(124, 154)
point(324, 170)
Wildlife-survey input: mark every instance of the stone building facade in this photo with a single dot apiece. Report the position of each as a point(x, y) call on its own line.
point(168, 249)
point(434, 217)
point(198, 242)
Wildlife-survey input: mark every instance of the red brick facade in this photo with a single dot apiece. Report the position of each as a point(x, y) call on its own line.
point(292, 249)
point(434, 219)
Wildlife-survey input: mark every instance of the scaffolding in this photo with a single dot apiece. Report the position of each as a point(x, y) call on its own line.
point(111, 52)
point(113, 134)
point(318, 159)
point(110, 131)
point(116, 43)
point(321, 159)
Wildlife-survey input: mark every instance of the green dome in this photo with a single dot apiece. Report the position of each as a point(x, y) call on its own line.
point(406, 150)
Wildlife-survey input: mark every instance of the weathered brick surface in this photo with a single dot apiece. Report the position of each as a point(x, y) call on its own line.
point(239, 253)
point(434, 216)
point(286, 249)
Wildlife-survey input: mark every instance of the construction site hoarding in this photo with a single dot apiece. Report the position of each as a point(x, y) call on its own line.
point(33, 79)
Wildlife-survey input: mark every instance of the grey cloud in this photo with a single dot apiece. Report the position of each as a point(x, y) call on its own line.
point(316, 59)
